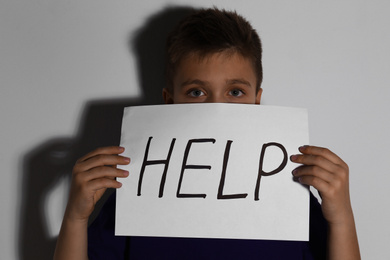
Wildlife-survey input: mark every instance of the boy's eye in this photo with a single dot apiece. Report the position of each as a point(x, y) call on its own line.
point(236, 93)
point(196, 93)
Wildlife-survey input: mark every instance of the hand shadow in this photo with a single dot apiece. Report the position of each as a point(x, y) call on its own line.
point(46, 164)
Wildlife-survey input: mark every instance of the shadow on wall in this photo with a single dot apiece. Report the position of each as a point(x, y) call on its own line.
point(45, 165)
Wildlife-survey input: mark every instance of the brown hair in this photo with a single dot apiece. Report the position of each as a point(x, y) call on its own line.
point(209, 31)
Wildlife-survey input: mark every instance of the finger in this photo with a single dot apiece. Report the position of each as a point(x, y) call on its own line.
point(105, 172)
point(321, 185)
point(101, 160)
point(315, 160)
point(103, 150)
point(314, 171)
point(103, 183)
point(323, 152)
point(82, 178)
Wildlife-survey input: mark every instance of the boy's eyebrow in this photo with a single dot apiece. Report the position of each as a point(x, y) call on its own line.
point(238, 81)
point(193, 81)
point(204, 83)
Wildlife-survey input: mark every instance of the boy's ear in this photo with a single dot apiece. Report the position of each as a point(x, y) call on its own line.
point(167, 96)
point(258, 96)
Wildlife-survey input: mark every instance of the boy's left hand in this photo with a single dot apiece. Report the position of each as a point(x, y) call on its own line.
point(329, 174)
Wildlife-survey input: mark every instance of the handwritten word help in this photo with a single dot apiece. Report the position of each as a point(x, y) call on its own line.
point(220, 195)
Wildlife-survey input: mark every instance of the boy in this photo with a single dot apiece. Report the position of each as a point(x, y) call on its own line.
point(213, 56)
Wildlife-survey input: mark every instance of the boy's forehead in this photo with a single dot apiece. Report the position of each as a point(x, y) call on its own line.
point(227, 55)
point(215, 66)
point(195, 59)
point(212, 61)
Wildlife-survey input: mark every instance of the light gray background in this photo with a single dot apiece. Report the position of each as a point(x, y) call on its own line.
point(331, 57)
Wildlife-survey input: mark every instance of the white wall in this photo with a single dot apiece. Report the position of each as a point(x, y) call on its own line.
point(56, 57)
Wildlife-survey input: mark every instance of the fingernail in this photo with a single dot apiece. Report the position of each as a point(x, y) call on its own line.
point(127, 159)
point(294, 172)
point(302, 148)
point(125, 173)
point(293, 157)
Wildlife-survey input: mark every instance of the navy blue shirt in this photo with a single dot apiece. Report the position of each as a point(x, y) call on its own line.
point(103, 244)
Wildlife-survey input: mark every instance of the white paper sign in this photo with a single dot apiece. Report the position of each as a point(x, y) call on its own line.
point(213, 171)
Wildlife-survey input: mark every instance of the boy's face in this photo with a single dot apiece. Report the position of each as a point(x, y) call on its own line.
point(218, 78)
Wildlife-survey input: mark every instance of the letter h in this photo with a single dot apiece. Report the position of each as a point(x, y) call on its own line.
point(147, 162)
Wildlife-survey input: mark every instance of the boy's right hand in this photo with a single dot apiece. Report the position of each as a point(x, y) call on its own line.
point(92, 175)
